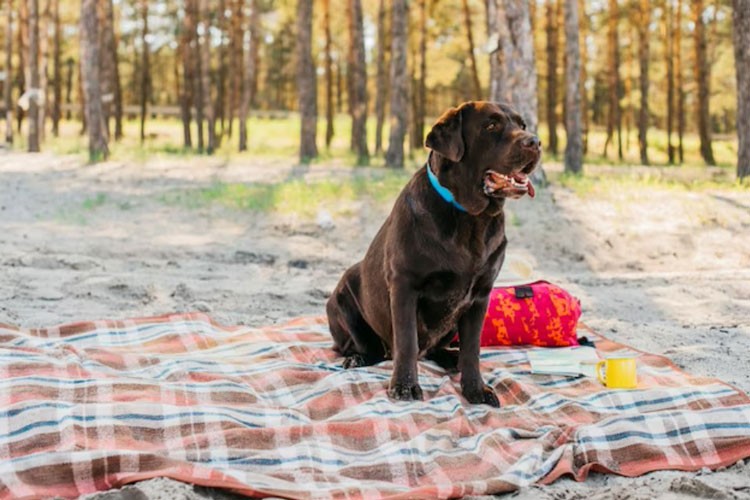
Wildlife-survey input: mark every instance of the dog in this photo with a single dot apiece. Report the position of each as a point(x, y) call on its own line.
point(428, 273)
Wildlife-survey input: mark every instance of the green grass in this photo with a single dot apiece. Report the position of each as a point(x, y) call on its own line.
point(278, 138)
point(293, 196)
point(606, 181)
point(92, 203)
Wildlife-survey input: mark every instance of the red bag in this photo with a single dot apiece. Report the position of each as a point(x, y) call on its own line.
point(539, 314)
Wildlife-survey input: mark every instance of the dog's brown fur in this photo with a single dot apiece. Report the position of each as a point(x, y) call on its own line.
point(429, 271)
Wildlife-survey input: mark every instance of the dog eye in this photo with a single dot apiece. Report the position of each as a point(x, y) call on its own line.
point(492, 126)
point(523, 125)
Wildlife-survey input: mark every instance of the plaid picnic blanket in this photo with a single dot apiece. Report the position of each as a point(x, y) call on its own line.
point(269, 411)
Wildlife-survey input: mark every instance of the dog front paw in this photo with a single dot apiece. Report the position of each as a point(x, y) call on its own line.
point(482, 395)
point(405, 391)
point(354, 361)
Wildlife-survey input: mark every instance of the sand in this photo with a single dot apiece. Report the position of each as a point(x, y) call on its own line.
point(664, 270)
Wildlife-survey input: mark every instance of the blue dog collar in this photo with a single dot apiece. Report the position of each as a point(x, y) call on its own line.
point(442, 191)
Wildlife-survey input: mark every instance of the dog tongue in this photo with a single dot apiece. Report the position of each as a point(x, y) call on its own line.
point(523, 179)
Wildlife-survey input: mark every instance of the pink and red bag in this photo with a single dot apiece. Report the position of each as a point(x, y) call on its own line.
point(539, 314)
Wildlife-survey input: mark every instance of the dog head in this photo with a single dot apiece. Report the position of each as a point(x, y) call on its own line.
point(482, 152)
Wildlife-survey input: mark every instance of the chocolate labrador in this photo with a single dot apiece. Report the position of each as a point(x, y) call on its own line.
point(428, 273)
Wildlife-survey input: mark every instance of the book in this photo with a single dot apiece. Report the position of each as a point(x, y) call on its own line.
point(570, 361)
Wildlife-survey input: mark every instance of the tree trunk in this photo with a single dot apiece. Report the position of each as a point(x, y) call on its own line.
point(669, 62)
point(358, 88)
point(339, 87)
point(22, 79)
point(643, 55)
point(517, 78)
point(82, 93)
point(221, 90)
point(250, 70)
point(306, 82)
point(573, 118)
point(472, 57)
point(490, 8)
point(680, 82)
point(613, 53)
point(69, 86)
point(255, 45)
point(57, 70)
point(420, 84)
point(145, 68)
point(741, 18)
point(98, 149)
point(195, 67)
point(44, 19)
point(111, 69)
point(187, 42)
point(328, 70)
point(236, 61)
point(34, 92)
point(585, 28)
point(703, 80)
point(381, 82)
point(205, 56)
point(8, 84)
point(552, 42)
point(394, 157)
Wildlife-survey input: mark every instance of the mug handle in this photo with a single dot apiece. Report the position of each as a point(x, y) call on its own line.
point(599, 366)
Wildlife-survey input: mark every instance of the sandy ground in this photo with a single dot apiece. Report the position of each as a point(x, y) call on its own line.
point(664, 270)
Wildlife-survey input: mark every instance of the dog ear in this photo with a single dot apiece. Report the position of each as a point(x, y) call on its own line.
point(446, 136)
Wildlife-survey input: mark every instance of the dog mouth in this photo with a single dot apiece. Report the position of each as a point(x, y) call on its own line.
point(514, 185)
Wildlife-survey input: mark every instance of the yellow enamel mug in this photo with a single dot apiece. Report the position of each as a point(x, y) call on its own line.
point(619, 373)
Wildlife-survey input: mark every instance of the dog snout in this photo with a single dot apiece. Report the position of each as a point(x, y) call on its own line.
point(532, 142)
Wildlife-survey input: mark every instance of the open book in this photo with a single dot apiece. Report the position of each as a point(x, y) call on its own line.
point(573, 361)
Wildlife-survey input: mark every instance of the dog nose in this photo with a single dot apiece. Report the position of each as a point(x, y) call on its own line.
point(532, 142)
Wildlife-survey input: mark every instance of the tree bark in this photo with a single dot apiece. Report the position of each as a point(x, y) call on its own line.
point(8, 84)
point(420, 84)
point(23, 51)
point(613, 53)
point(192, 11)
point(205, 56)
point(82, 94)
point(585, 28)
point(358, 89)
point(472, 56)
point(552, 50)
point(680, 83)
point(703, 80)
point(381, 81)
point(187, 42)
point(490, 7)
point(110, 63)
point(328, 56)
point(394, 156)
point(145, 68)
point(669, 63)
point(57, 70)
point(306, 82)
point(34, 90)
point(98, 149)
point(573, 118)
point(741, 19)
point(517, 76)
point(69, 86)
point(44, 18)
point(643, 56)
point(236, 62)
point(221, 84)
point(249, 72)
